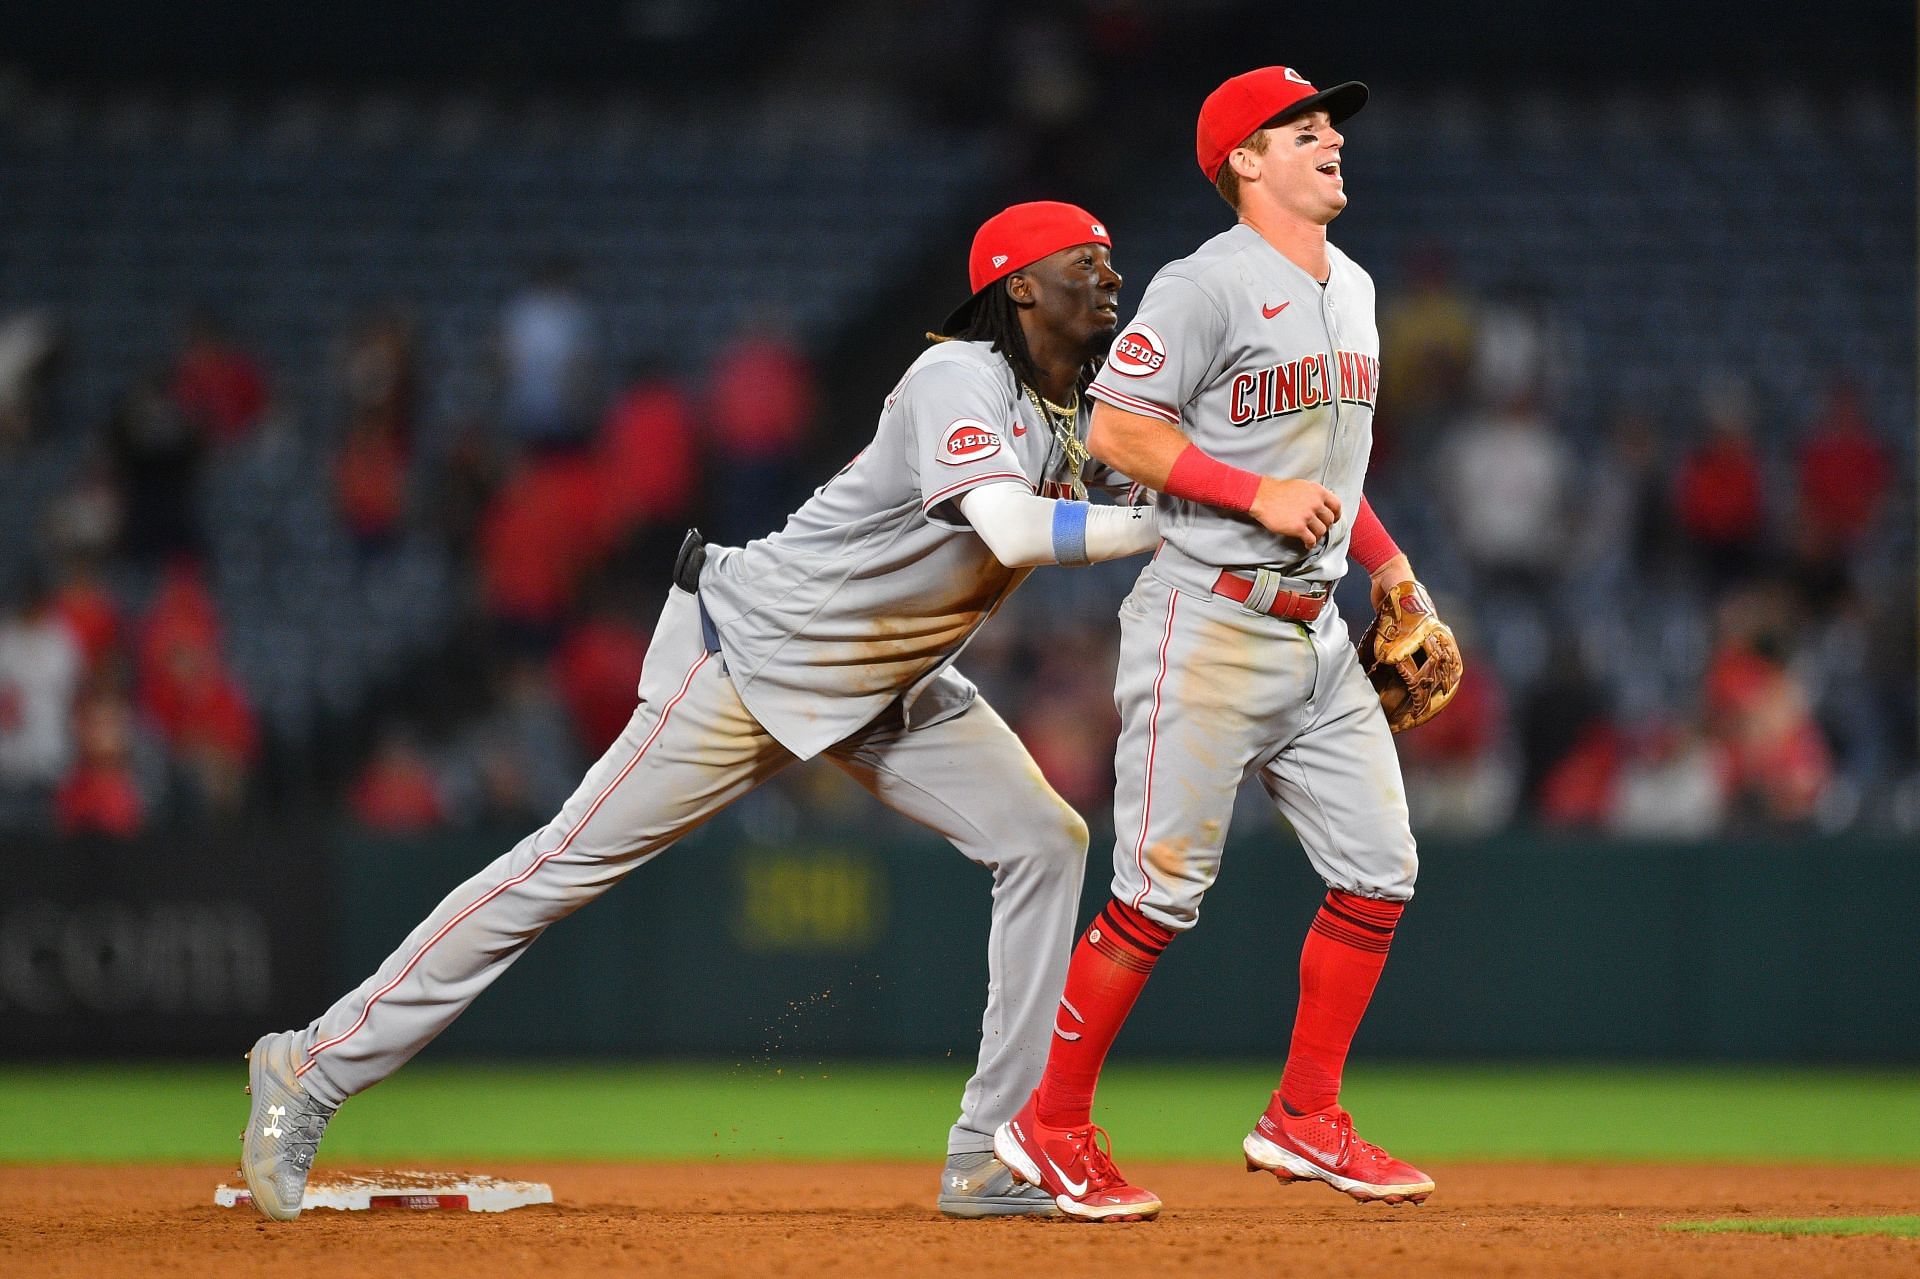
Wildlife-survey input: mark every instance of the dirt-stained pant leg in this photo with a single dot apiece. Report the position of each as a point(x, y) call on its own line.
point(1204, 689)
point(1339, 783)
point(971, 779)
point(690, 749)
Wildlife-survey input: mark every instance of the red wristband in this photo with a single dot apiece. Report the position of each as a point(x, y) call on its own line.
point(1200, 477)
point(1370, 546)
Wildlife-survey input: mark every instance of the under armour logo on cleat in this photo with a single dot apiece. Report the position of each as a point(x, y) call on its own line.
point(274, 1115)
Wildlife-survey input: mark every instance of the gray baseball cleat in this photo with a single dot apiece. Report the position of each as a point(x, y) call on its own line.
point(283, 1129)
point(978, 1185)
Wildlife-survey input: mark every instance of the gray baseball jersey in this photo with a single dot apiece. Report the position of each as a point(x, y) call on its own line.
point(1263, 367)
point(837, 636)
point(877, 582)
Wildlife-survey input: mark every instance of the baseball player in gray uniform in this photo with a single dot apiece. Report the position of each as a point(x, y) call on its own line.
point(835, 636)
point(1243, 391)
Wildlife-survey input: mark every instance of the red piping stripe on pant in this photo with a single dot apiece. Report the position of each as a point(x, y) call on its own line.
point(1153, 742)
point(502, 887)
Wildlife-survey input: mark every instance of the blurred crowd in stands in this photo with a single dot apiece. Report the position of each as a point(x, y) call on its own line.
point(1685, 626)
point(1778, 690)
point(118, 707)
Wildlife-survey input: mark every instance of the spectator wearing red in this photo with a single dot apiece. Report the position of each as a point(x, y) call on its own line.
point(762, 409)
point(650, 464)
point(397, 791)
point(596, 670)
point(541, 534)
point(370, 482)
point(1719, 490)
point(1578, 791)
point(188, 694)
point(182, 614)
point(1780, 765)
point(199, 707)
point(217, 386)
point(100, 795)
point(90, 612)
point(1845, 473)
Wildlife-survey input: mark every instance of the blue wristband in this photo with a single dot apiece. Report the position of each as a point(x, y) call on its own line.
point(1070, 533)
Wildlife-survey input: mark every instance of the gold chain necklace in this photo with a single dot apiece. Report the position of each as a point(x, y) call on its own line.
point(1064, 422)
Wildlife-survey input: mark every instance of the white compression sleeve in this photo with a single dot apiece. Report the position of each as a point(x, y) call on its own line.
point(1020, 528)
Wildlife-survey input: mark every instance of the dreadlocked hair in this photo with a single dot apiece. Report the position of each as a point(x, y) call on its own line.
point(996, 320)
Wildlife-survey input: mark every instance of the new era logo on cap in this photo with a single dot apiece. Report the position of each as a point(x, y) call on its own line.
point(1017, 237)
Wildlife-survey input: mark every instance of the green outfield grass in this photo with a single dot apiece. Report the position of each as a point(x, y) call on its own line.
point(828, 1111)
point(1897, 1227)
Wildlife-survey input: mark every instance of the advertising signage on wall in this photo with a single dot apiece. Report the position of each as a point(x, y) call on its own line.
point(166, 946)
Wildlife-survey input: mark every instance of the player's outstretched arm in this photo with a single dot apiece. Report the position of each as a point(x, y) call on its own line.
point(1159, 457)
point(1025, 531)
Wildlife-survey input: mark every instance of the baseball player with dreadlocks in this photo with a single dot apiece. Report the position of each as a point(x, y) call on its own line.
point(835, 636)
point(1243, 391)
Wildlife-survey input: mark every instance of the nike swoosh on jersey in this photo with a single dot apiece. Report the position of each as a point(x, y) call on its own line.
point(1271, 311)
point(1019, 428)
point(1074, 1188)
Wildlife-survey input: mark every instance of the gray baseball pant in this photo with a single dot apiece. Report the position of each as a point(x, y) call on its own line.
point(690, 749)
point(1210, 695)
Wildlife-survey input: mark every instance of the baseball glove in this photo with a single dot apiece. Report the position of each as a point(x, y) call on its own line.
point(1410, 656)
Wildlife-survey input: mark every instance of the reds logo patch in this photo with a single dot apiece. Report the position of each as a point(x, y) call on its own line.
point(969, 441)
point(1138, 352)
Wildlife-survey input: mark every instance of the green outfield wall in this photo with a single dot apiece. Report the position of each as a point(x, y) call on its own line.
point(730, 945)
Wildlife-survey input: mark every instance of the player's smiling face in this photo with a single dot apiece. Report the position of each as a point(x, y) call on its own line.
point(1301, 169)
point(1076, 295)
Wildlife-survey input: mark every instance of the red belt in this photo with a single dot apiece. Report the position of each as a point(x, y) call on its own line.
point(1288, 606)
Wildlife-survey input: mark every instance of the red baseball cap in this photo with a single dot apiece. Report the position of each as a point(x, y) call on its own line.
point(1017, 237)
point(1260, 99)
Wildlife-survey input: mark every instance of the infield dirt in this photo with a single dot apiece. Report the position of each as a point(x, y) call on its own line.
point(856, 1220)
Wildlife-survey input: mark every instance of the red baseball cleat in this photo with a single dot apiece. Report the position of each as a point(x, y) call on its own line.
point(1324, 1147)
point(1071, 1165)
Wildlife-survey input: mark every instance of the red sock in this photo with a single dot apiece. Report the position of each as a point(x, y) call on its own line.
point(1110, 965)
point(1345, 950)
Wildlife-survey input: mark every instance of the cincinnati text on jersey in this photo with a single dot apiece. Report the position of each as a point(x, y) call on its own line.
point(1303, 384)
